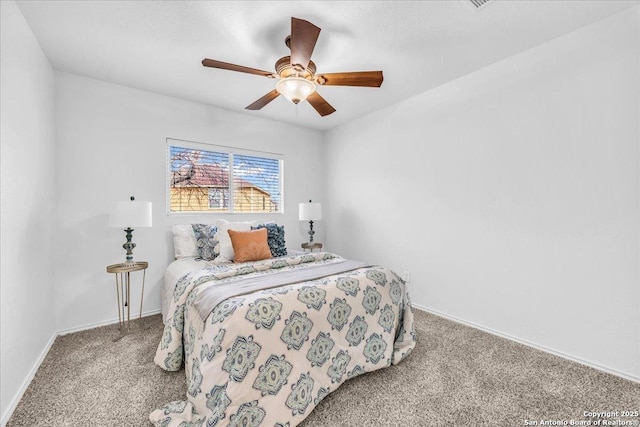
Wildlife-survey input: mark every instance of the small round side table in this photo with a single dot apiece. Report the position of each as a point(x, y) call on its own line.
point(123, 290)
point(312, 246)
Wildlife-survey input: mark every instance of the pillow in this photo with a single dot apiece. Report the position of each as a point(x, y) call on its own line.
point(206, 241)
point(225, 248)
point(275, 238)
point(250, 245)
point(184, 241)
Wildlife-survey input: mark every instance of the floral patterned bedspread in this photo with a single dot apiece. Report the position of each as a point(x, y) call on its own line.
point(269, 357)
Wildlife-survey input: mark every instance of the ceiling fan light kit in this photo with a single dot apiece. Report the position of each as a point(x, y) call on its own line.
point(295, 89)
point(296, 74)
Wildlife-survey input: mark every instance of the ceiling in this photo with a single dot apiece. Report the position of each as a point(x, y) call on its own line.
point(158, 46)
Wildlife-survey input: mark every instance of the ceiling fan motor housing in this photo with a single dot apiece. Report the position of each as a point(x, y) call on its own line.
point(284, 69)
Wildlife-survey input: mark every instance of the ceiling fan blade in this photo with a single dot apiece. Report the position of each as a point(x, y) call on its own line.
point(355, 78)
point(233, 67)
point(322, 107)
point(257, 105)
point(303, 39)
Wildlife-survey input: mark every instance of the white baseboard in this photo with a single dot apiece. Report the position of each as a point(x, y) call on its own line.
point(606, 369)
point(103, 323)
point(16, 399)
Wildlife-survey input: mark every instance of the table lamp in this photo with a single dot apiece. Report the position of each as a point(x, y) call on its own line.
point(130, 214)
point(310, 212)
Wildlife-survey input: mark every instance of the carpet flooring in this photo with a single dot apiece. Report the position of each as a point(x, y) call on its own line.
point(456, 376)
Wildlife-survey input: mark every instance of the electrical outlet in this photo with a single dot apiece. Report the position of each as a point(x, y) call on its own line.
point(406, 276)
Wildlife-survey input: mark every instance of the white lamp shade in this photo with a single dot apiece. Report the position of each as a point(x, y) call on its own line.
point(130, 214)
point(309, 211)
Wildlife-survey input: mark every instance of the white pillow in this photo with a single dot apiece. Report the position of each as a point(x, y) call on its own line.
point(224, 241)
point(184, 241)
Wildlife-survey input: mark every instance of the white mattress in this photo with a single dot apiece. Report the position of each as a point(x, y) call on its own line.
point(174, 272)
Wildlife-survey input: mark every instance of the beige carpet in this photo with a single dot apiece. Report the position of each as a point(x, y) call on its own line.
point(456, 376)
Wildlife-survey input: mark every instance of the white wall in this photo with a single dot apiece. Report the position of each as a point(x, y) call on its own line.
point(27, 203)
point(111, 143)
point(511, 195)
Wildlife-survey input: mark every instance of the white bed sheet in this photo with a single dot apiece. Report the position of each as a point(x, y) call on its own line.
point(174, 272)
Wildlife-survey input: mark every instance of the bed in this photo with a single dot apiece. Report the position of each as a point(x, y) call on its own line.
point(263, 342)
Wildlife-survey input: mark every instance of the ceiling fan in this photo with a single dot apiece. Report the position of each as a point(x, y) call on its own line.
point(296, 74)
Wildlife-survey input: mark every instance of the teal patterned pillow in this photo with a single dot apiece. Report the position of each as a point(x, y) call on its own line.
point(206, 240)
point(275, 238)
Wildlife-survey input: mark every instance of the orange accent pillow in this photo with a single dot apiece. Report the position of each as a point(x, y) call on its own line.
point(250, 245)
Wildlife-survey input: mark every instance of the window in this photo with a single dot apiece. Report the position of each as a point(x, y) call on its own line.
point(218, 198)
point(208, 178)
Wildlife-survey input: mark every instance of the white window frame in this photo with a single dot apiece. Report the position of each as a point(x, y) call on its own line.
point(231, 151)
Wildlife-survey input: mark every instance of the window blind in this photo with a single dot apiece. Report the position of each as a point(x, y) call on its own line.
point(219, 179)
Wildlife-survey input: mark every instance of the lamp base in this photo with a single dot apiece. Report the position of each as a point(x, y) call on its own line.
point(128, 246)
point(311, 232)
